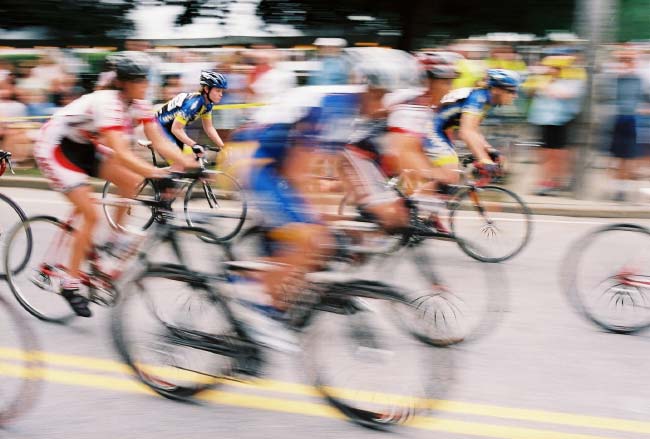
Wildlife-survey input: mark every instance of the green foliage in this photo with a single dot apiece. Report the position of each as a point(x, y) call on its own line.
point(634, 20)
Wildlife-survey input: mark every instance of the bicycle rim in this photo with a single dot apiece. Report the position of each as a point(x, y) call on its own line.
point(20, 366)
point(139, 217)
point(607, 279)
point(12, 214)
point(365, 364)
point(160, 315)
point(37, 285)
point(218, 205)
point(491, 224)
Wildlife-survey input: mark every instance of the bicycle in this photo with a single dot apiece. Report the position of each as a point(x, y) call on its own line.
point(462, 299)
point(35, 279)
point(607, 277)
point(472, 207)
point(20, 365)
point(11, 213)
point(182, 333)
point(219, 190)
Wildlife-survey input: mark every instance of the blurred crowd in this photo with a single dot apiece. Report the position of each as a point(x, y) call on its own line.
point(547, 110)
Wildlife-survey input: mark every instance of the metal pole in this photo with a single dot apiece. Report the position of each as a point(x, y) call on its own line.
point(595, 21)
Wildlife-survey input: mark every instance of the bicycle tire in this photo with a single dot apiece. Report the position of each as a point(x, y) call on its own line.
point(159, 378)
point(23, 364)
point(147, 186)
point(5, 227)
point(470, 246)
point(374, 409)
point(577, 257)
point(19, 286)
point(223, 234)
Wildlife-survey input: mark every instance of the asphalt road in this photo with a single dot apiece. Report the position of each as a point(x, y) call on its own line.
point(542, 372)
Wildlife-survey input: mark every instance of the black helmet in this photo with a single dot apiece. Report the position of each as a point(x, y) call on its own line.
point(130, 65)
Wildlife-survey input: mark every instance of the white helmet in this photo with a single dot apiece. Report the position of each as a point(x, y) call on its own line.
point(389, 69)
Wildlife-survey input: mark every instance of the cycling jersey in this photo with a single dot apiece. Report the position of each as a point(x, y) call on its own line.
point(448, 114)
point(315, 116)
point(409, 113)
point(67, 150)
point(463, 100)
point(323, 117)
point(186, 108)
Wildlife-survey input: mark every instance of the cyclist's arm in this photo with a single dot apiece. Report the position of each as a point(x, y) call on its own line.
point(211, 132)
point(164, 147)
point(118, 142)
point(178, 130)
point(470, 133)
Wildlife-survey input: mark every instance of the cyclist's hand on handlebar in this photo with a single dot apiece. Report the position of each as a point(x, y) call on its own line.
point(487, 166)
point(199, 150)
point(495, 155)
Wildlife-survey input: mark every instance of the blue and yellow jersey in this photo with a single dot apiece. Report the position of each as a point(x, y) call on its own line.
point(184, 107)
point(463, 100)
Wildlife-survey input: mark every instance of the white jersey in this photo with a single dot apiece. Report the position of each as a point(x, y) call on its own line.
point(67, 151)
point(408, 114)
point(84, 119)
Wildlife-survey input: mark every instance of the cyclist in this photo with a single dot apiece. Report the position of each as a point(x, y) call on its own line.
point(463, 110)
point(184, 108)
point(412, 113)
point(91, 137)
point(290, 135)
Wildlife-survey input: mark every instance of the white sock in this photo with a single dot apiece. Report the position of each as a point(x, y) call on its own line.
point(70, 283)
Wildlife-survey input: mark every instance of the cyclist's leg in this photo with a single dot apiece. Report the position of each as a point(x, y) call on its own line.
point(298, 237)
point(81, 199)
point(127, 182)
point(371, 193)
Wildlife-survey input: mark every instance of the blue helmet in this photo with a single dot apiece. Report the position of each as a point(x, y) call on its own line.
point(503, 78)
point(211, 79)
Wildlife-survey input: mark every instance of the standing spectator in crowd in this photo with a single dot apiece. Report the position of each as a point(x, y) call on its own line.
point(555, 105)
point(269, 80)
point(334, 68)
point(630, 102)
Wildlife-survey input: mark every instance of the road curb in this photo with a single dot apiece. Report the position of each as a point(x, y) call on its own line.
point(551, 209)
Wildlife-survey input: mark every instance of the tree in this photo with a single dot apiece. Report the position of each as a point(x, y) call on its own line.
point(417, 19)
point(69, 19)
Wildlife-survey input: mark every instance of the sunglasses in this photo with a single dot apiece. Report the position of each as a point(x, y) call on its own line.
point(512, 91)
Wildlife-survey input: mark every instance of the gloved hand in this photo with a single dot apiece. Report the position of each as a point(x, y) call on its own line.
point(198, 150)
point(487, 167)
point(494, 154)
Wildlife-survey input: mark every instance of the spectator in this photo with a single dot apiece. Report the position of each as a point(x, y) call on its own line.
point(269, 80)
point(630, 102)
point(334, 69)
point(555, 105)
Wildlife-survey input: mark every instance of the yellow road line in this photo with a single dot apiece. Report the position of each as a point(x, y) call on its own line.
point(295, 407)
point(268, 385)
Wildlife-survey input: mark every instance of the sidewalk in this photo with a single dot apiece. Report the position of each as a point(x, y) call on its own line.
point(521, 182)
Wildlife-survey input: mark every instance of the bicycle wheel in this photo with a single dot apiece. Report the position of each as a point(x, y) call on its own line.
point(11, 215)
point(137, 216)
point(20, 366)
point(217, 204)
point(458, 299)
point(159, 326)
point(492, 223)
point(364, 363)
point(37, 284)
point(607, 277)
